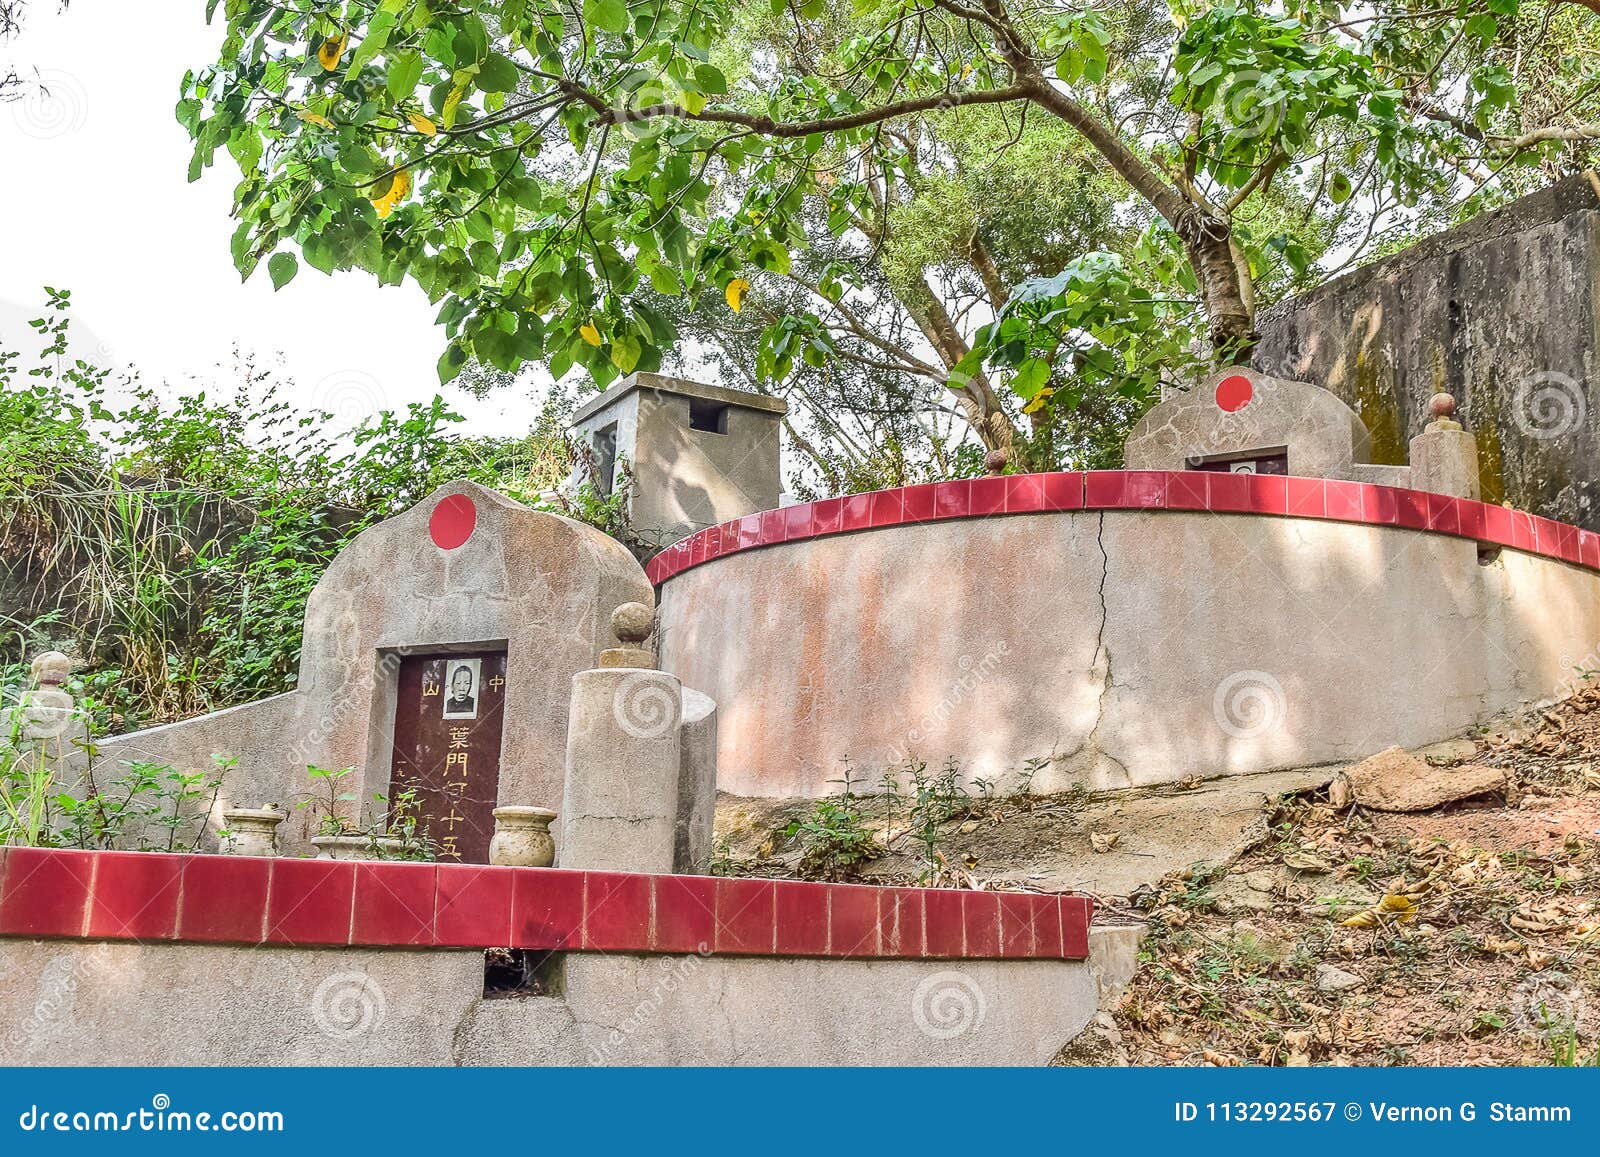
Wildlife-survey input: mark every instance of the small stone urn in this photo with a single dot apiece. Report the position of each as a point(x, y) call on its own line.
point(357, 847)
point(253, 831)
point(522, 838)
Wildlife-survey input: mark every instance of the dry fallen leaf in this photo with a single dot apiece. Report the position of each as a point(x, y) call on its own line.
point(1104, 841)
point(1303, 861)
point(1394, 905)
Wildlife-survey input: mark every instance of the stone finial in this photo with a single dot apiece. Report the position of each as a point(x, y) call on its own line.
point(1441, 411)
point(632, 624)
point(47, 709)
point(50, 669)
point(994, 462)
point(1444, 457)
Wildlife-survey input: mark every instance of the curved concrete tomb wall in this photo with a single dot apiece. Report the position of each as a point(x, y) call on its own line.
point(1129, 627)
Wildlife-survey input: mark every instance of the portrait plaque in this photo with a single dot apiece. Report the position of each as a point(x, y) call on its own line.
point(448, 715)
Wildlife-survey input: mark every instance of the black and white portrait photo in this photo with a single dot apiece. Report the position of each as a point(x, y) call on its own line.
point(461, 688)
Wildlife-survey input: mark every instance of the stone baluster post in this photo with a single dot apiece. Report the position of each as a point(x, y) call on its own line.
point(620, 802)
point(47, 709)
point(1444, 457)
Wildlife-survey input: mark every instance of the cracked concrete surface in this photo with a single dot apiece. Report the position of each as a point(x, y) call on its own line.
point(1126, 648)
point(83, 1002)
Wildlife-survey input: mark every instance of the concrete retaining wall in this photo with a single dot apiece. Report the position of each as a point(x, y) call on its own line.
point(83, 1002)
point(150, 958)
point(1504, 313)
point(1124, 646)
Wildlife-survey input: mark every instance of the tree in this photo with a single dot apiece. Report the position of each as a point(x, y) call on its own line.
point(548, 171)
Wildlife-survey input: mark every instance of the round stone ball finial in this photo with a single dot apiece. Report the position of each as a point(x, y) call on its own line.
point(1442, 405)
point(50, 669)
point(632, 623)
point(994, 462)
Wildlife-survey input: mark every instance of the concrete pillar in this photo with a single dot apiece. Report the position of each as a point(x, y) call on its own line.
point(1444, 457)
point(697, 784)
point(619, 806)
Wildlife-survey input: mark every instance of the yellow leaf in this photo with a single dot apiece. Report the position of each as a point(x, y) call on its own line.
point(451, 102)
point(1401, 906)
point(399, 186)
point(735, 293)
point(1036, 403)
point(589, 333)
point(422, 124)
point(331, 50)
point(314, 118)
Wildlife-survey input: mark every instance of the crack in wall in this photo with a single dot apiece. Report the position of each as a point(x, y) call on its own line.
point(1102, 662)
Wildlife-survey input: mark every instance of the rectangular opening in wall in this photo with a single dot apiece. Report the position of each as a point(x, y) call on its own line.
point(712, 417)
point(510, 973)
point(605, 459)
point(1268, 460)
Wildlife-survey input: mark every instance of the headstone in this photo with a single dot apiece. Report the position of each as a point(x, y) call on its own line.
point(448, 723)
point(466, 578)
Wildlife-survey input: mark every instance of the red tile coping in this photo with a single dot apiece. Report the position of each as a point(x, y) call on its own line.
point(1191, 490)
point(155, 896)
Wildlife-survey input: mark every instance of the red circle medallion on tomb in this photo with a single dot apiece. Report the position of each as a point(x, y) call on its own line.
point(1234, 393)
point(452, 521)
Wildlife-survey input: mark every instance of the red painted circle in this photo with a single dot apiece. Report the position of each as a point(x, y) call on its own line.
point(1234, 393)
point(452, 521)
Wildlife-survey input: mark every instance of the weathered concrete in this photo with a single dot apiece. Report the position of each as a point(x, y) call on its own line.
point(697, 784)
point(619, 810)
point(1504, 313)
point(683, 478)
point(1323, 437)
point(1128, 647)
point(542, 585)
point(82, 1002)
point(1445, 461)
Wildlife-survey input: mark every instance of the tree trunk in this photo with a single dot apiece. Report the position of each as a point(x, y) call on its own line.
point(975, 394)
point(1226, 291)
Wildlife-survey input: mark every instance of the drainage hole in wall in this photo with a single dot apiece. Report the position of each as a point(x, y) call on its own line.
point(1488, 555)
point(512, 973)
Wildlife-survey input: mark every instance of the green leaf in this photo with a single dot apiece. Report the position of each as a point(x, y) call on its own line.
point(405, 70)
point(1030, 377)
point(497, 74)
point(451, 362)
point(710, 79)
point(281, 268)
point(1339, 188)
point(625, 350)
point(610, 15)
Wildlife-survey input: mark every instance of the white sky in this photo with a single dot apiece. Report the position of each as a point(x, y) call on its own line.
point(94, 198)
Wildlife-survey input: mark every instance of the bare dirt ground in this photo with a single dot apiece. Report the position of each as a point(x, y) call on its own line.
point(1282, 930)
